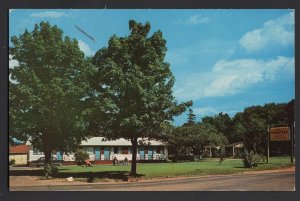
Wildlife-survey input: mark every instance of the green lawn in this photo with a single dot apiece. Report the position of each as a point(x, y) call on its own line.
point(154, 170)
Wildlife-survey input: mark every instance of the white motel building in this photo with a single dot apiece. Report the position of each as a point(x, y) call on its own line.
point(101, 150)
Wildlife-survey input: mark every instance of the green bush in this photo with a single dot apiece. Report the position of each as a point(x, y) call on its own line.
point(80, 157)
point(12, 162)
point(251, 159)
point(50, 170)
point(174, 158)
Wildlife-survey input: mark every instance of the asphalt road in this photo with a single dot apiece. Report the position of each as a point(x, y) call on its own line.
point(257, 182)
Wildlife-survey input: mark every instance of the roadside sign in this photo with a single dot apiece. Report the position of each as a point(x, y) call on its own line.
point(279, 134)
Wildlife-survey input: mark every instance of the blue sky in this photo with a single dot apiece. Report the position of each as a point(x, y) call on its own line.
point(223, 60)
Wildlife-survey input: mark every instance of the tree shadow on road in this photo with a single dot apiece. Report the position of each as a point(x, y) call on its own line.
point(89, 176)
point(92, 176)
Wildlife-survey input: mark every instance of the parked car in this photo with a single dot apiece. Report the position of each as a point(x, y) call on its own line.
point(41, 162)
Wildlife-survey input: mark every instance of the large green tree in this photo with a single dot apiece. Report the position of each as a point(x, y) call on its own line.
point(48, 89)
point(204, 134)
point(222, 122)
point(178, 142)
point(136, 84)
point(250, 126)
point(195, 137)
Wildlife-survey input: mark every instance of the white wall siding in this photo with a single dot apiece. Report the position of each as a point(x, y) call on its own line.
point(33, 157)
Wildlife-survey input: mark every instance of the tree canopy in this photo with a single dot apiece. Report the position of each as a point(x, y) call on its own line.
point(197, 136)
point(222, 122)
point(136, 83)
point(47, 90)
point(194, 137)
point(251, 125)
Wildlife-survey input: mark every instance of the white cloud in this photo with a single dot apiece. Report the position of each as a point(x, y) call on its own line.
point(12, 62)
point(209, 111)
point(279, 31)
point(230, 77)
point(49, 14)
point(205, 111)
point(199, 50)
point(85, 48)
point(196, 19)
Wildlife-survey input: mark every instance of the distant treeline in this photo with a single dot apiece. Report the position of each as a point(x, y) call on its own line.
point(249, 127)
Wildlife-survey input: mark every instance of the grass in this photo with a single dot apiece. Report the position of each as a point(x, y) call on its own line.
point(164, 170)
point(155, 170)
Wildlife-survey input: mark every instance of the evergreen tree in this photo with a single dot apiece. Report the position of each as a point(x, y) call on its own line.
point(191, 117)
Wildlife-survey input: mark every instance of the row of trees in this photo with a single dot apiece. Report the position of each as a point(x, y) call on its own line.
point(58, 97)
point(192, 137)
point(249, 127)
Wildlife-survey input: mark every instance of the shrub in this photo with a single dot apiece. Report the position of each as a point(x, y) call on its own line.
point(80, 157)
point(50, 170)
point(251, 159)
point(12, 162)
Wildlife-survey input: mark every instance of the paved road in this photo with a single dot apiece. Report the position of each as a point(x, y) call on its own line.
point(257, 182)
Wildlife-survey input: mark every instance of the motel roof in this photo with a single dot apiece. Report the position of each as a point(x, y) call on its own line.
point(236, 145)
point(100, 141)
point(19, 149)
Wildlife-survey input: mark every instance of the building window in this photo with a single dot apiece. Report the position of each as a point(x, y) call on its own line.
point(96, 148)
point(129, 150)
point(116, 150)
point(89, 150)
point(37, 152)
point(160, 150)
point(124, 150)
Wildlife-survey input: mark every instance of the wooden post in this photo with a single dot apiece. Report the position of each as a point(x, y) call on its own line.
point(292, 142)
point(294, 125)
point(210, 152)
point(268, 144)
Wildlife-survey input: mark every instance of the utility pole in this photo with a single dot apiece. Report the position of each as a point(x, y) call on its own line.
point(268, 144)
point(291, 132)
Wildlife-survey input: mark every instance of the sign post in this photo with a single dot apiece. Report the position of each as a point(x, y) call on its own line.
point(281, 133)
point(292, 144)
point(268, 145)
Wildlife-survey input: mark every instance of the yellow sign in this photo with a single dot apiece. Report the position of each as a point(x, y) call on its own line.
point(279, 134)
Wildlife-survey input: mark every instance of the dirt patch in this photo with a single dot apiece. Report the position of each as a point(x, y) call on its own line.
point(37, 181)
point(286, 169)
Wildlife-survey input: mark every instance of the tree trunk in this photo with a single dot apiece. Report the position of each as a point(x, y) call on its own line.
point(134, 153)
point(47, 156)
point(47, 150)
point(176, 154)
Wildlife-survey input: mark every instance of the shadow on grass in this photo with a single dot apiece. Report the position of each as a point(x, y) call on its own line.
point(26, 172)
point(90, 176)
point(241, 167)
